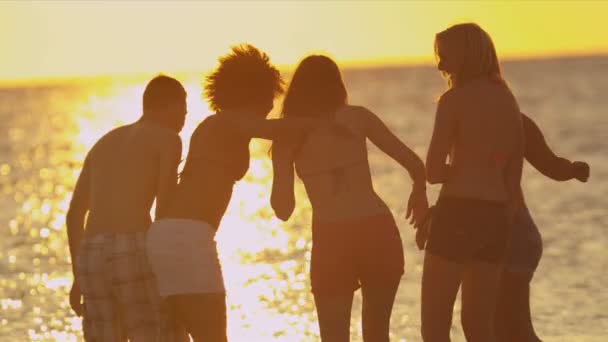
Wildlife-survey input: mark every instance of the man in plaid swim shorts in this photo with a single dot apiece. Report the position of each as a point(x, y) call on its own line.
point(122, 175)
point(121, 296)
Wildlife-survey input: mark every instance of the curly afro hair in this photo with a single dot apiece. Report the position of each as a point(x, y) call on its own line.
point(243, 76)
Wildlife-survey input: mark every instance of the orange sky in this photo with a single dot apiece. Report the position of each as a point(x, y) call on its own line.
point(77, 38)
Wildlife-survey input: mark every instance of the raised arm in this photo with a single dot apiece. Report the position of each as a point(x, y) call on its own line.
point(282, 198)
point(540, 155)
point(441, 142)
point(274, 129)
point(170, 155)
point(387, 142)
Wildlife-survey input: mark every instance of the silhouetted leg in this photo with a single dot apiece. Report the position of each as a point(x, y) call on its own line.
point(504, 311)
point(479, 296)
point(203, 315)
point(172, 328)
point(514, 319)
point(440, 282)
point(377, 308)
point(334, 316)
point(526, 316)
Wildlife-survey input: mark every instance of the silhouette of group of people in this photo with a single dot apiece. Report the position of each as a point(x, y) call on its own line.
point(142, 280)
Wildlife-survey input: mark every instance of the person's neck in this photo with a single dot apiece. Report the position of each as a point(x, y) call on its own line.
point(148, 120)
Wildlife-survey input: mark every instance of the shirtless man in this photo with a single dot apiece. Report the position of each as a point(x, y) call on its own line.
point(122, 175)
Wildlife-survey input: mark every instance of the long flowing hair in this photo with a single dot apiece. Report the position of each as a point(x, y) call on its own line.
point(316, 89)
point(474, 51)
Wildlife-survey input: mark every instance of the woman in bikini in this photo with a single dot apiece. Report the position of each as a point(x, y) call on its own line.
point(356, 243)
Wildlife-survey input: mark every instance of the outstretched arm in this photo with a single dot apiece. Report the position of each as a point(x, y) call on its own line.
point(539, 154)
point(386, 141)
point(291, 129)
point(282, 199)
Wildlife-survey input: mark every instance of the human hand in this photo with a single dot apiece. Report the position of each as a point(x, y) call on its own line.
point(422, 232)
point(417, 207)
point(581, 171)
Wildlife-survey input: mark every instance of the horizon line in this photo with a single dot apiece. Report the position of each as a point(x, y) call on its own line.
point(376, 63)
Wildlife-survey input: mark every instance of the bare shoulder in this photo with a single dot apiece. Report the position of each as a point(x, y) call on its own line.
point(356, 118)
point(451, 97)
point(158, 135)
point(216, 125)
point(530, 129)
point(108, 141)
point(114, 134)
point(141, 139)
point(352, 111)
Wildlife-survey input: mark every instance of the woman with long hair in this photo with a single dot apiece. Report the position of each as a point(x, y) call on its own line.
point(356, 243)
point(478, 126)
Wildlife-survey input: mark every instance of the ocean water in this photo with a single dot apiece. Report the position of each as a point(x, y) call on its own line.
point(46, 131)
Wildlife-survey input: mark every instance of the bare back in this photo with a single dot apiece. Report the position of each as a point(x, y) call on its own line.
point(479, 126)
point(333, 164)
point(218, 157)
point(124, 171)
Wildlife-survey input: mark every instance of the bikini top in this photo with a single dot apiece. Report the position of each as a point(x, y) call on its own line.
point(336, 149)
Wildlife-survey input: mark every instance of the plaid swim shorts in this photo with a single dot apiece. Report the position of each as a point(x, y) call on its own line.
point(121, 300)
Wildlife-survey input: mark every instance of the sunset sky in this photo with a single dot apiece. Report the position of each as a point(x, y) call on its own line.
point(78, 38)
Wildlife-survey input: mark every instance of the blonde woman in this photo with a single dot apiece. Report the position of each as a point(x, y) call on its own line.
point(478, 126)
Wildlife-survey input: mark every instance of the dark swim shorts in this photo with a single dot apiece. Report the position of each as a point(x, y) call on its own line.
point(363, 252)
point(526, 247)
point(465, 230)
